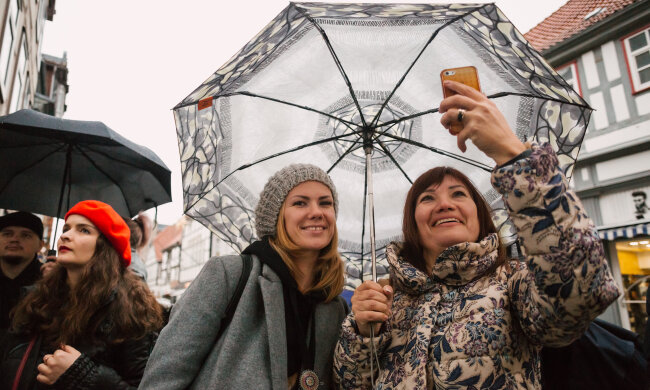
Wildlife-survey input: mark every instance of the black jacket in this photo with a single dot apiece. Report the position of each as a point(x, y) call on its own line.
point(101, 365)
point(11, 290)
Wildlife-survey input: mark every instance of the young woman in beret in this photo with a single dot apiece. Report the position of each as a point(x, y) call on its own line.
point(88, 324)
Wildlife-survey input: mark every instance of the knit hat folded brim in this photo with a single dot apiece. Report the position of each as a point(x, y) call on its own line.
point(278, 187)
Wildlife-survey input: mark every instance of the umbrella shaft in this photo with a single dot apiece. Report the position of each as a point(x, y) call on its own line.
point(371, 214)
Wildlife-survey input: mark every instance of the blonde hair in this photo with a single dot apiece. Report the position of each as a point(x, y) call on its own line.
point(329, 268)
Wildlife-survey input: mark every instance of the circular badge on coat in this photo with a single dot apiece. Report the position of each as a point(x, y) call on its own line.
point(309, 380)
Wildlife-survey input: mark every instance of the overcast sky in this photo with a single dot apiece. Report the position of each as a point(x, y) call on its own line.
point(131, 61)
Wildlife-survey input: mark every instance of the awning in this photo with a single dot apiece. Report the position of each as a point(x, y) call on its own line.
point(627, 231)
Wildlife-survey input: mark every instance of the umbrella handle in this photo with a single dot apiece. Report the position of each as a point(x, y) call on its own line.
point(371, 212)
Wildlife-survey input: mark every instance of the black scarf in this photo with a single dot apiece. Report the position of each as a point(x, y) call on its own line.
point(298, 310)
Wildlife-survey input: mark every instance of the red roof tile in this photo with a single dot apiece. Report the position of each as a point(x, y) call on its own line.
point(569, 20)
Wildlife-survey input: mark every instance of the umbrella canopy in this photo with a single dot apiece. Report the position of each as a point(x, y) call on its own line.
point(49, 164)
point(324, 81)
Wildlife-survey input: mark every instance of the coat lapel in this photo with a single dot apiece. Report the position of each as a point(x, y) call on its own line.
point(325, 315)
point(272, 296)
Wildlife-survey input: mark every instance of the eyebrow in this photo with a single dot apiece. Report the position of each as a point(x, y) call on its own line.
point(319, 198)
point(449, 188)
point(81, 225)
point(17, 229)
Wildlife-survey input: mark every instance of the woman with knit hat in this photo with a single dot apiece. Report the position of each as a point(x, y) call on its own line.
point(90, 323)
point(287, 321)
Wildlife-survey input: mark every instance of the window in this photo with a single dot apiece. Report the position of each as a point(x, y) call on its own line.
point(637, 56)
point(27, 95)
point(19, 78)
point(17, 11)
point(15, 94)
point(569, 73)
point(7, 46)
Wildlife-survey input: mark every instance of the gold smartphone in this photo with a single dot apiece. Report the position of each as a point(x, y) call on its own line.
point(467, 75)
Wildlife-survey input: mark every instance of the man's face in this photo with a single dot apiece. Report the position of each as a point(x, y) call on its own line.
point(639, 201)
point(18, 244)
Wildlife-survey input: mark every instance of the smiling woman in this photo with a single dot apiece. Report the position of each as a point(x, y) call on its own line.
point(462, 314)
point(288, 317)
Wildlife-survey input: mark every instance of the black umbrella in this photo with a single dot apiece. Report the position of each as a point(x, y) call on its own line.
point(47, 163)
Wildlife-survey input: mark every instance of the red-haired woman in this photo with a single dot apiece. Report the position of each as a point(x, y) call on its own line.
point(462, 315)
point(90, 323)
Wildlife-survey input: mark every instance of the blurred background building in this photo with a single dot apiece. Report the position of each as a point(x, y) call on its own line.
point(602, 47)
point(176, 254)
point(22, 77)
point(29, 78)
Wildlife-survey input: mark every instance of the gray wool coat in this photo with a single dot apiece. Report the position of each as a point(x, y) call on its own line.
point(252, 352)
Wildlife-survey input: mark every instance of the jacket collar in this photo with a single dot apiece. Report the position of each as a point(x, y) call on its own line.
point(455, 266)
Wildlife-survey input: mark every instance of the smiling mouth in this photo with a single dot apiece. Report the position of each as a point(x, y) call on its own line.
point(314, 228)
point(446, 220)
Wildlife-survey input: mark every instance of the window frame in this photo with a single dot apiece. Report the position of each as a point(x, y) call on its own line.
point(632, 70)
point(573, 65)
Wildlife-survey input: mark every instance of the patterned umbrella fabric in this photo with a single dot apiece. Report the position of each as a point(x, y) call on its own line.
point(321, 79)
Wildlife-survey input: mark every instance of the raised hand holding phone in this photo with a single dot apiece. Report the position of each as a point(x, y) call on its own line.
point(469, 114)
point(467, 75)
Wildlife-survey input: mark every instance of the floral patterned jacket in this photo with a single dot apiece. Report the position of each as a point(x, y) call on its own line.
point(469, 327)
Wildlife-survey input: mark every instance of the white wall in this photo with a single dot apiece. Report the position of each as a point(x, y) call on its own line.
point(618, 207)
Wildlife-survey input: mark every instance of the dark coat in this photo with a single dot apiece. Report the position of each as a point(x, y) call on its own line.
point(102, 365)
point(11, 290)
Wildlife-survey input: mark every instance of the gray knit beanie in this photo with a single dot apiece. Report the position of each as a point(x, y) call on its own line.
point(277, 189)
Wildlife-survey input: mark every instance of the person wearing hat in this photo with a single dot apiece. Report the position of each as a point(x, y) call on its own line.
point(89, 323)
point(21, 238)
point(287, 320)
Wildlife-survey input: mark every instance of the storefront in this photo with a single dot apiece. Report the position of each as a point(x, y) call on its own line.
point(627, 243)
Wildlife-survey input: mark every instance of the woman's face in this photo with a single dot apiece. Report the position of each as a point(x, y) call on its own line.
point(445, 215)
point(77, 242)
point(309, 216)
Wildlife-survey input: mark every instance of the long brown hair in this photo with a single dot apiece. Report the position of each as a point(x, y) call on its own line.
point(106, 288)
point(412, 250)
point(329, 269)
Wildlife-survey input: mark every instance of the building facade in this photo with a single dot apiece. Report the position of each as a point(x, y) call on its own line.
point(177, 253)
point(21, 36)
point(602, 47)
point(52, 86)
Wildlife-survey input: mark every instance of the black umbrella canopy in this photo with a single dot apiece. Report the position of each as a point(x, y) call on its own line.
point(48, 164)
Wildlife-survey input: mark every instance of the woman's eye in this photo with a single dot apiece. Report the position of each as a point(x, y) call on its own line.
point(299, 203)
point(426, 198)
point(85, 231)
point(326, 203)
point(65, 229)
point(460, 193)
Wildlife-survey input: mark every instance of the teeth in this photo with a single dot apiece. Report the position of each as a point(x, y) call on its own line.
point(314, 228)
point(438, 222)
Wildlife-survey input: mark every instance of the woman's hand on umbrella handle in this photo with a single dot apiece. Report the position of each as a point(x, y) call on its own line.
point(54, 365)
point(478, 119)
point(371, 305)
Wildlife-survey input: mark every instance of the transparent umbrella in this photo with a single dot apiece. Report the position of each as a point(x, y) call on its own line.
point(354, 89)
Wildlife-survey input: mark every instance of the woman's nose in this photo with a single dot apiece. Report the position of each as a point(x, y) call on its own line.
point(444, 204)
point(315, 211)
point(64, 235)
